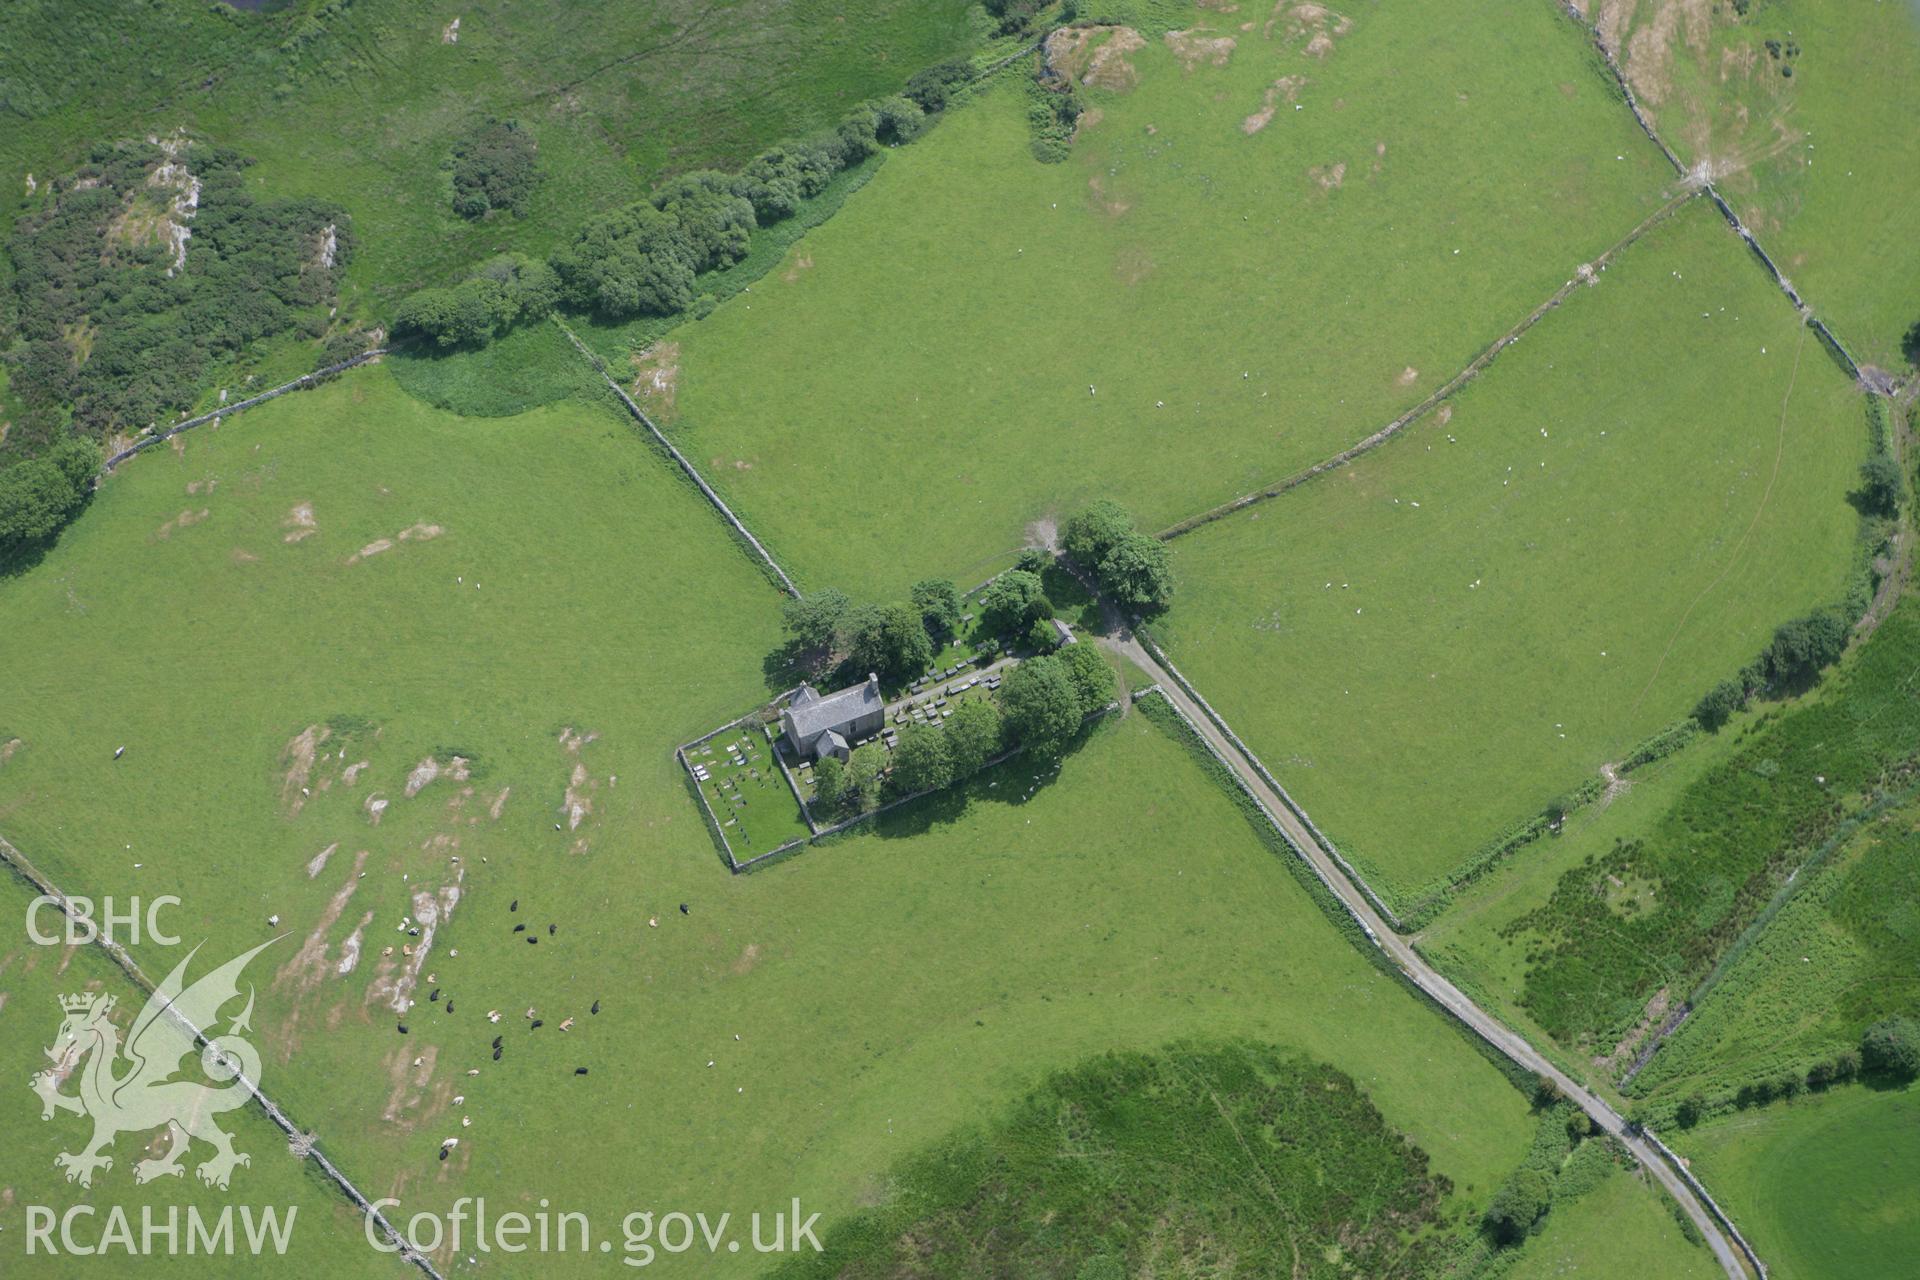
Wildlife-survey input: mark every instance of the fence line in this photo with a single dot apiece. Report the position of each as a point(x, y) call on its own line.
point(1286, 797)
point(1703, 176)
point(692, 472)
point(238, 406)
point(1445, 391)
point(26, 871)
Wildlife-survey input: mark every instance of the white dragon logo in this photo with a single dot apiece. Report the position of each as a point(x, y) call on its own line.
point(147, 1096)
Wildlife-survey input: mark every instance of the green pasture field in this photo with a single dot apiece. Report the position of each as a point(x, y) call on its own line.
point(1654, 914)
point(1138, 1164)
point(360, 103)
point(1823, 1186)
point(1622, 1227)
point(1843, 953)
point(1431, 643)
point(931, 348)
point(1470, 941)
point(579, 613)
point(326, 1236)
point(1818, 163)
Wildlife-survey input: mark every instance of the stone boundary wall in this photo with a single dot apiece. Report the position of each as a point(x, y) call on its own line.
point(680, 459)
point(1293, 806)
point(18, 863)
point(1706, 1198)
point(238, 406)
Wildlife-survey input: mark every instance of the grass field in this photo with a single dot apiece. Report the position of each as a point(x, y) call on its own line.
point(1471, 941)
point(325, 1238)
point(1823, 1186)
point(1812, 145)
point(1478, 616)
point(1297, 286)
point(1623, 1227)
point(578, 614)
point(1132, 1164)
point(1680, 893)
point(1839, 956)
point(360, 103)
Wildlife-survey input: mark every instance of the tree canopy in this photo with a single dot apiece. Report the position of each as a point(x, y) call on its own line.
point(1890, 1048)
point(1042, 705)
point(493, 168)
point(1132, 567)
point(923, 761)
point(888, 639)
point(939, 603)
point(1013, 601)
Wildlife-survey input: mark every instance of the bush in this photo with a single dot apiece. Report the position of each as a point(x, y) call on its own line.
point(1890, 1049)
point(1132, 567)
point(888, 639)
point(933, 87)
point(830, 786)
point(1880, 485)
point(635, 261)
point(1033, 560)
point(1804, 647)
point(493, 168)
point(939, 603)
point(41, 495)
point(1092, 678)
point(1135, 572)
point(898, 120)
point(1053, 115)
point(813, 622)
point(1719, 703)
point(718, 223)
point(1518, 1205)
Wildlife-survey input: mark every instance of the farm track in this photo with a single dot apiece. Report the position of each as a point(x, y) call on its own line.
point(31, 876)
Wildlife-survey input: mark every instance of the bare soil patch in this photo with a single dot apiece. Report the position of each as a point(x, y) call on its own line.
point(1313, 26)
point(1285, 89)
point(656, 371)
point(1097, 195)
point(457, 768)
point(300, 523)
point(1199, 45)
point(1132, 265)
point(186, 519)
point(1329, 176)
point(1095, 56)
point(296, 758)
